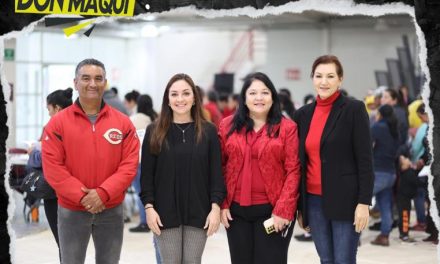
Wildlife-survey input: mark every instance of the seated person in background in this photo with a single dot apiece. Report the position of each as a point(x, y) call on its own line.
point(212, 106)
point(130, 102)
point(223, 104)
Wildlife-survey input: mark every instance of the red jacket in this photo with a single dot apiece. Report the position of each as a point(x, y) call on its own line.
point(216, 115)
point(278, 161)
point(76, 154)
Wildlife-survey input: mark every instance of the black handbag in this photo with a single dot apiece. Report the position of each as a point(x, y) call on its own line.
point(36, 186)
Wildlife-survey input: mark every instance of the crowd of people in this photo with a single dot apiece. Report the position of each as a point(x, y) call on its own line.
point(399, 127)
point(251, 161)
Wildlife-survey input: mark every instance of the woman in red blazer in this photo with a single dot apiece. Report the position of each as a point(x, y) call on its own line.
point(262, 174)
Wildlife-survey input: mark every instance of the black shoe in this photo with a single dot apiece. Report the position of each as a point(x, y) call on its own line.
point(140, 228)
point(375, 227)
point(431, 238)
point(303, 238)
point(127, 219)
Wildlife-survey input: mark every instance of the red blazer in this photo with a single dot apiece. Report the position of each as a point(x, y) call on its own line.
point(278, 162)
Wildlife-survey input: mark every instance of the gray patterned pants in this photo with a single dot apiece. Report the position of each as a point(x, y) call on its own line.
point(184, 244)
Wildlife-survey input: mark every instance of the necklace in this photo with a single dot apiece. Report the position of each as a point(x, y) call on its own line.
point(183, 130)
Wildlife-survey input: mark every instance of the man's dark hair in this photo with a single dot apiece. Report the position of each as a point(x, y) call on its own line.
point(201, 91)
point(223, 98)
point(308, 97)
point(132, 96)
point(114, 90)
point(212, 96)
point(145, 106)
point(421, 109)
point(89, 62)
point(286, 92)
point(61, 98)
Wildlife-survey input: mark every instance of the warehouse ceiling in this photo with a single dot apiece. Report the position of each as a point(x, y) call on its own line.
point(186, 21)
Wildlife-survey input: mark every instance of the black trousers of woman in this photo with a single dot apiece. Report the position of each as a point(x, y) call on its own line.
point(248, 241)
point(51, 210)
point(406, 191)
point(431, 229)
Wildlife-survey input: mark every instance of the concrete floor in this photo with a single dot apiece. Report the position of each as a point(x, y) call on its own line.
point(138, 248)
point(35, 245)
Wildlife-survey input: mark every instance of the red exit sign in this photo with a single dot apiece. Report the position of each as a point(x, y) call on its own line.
point(293, 74)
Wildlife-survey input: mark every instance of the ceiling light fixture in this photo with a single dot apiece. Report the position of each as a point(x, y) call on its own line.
point(149, 31)
point(381, 25)
point(150, 18)
point(164, 29)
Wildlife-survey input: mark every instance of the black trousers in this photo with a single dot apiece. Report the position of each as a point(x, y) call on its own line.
point(51, 210)
point(430, 226)
point(406, 190)
point(248, 241)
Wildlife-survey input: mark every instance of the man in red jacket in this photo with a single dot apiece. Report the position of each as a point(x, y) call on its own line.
point(90, 154)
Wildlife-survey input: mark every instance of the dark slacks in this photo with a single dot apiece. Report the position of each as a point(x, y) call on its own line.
point(406, 190)
point(51, 210)
point(76, 227)
point(248, 240)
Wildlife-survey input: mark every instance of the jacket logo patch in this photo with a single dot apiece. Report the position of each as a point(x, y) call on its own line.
point(113, 136)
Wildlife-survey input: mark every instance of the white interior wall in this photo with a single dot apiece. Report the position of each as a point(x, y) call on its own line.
point(34, 52)
point(292, 49)
point(55, 48)
point(363, 52)
point(199, 54)
point(140, 67)
point(153, 61)
point(146, 64)
point(28, 47)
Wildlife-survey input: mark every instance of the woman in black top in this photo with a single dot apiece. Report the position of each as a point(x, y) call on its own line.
point(181, 180)
point(391, 97)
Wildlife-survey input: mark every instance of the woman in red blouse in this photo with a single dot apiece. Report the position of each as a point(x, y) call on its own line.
point(262, 173)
